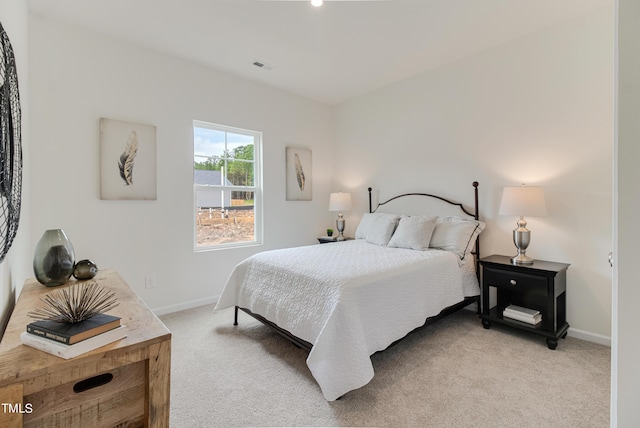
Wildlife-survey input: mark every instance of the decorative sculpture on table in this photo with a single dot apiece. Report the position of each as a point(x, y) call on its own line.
point(10, 146)
point(75, 304)
point(85, 269)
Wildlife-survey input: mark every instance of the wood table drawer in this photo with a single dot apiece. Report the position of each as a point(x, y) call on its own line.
point(502, 278)
point(113, 398)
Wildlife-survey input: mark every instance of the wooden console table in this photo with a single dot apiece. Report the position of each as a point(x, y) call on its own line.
point(128, 380)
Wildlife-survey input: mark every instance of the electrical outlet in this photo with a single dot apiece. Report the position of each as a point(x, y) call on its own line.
point(149, 282)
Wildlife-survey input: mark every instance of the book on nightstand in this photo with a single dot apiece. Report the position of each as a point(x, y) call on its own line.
point(69, 334)
point(70, 351)
point(518, 313)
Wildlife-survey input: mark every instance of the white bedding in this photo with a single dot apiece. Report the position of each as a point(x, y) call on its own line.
point(348, 299)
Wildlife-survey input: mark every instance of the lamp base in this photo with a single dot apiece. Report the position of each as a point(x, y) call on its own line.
point(521, 237)
point(340, 223)
point(522, 259)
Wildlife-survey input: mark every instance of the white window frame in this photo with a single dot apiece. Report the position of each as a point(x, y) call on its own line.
point(256, 188)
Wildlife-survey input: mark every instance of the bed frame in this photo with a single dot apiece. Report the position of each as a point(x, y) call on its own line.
point(446, 311)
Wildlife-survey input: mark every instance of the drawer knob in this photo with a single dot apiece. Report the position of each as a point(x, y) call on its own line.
point(513, 282)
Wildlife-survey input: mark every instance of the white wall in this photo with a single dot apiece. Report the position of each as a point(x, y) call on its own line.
point(537, 110)
point(17, 265)
point(77, 77)
point(625, 375)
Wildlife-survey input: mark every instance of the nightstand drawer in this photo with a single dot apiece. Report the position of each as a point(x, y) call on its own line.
point(502, 278)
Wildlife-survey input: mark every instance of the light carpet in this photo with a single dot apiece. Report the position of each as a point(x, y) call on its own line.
point(453, 373)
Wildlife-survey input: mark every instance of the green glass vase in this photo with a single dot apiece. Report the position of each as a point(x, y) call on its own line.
point(54, 258)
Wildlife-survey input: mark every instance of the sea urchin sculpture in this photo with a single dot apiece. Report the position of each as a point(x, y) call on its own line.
point(74, 304)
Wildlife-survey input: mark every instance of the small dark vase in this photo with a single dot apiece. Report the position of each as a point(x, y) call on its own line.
point(54, 258)
point(85, 269)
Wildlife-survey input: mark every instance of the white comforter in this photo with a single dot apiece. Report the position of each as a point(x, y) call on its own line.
point(349, 300)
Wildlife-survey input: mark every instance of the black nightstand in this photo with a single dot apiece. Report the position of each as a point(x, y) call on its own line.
point(326, 239)
point(540, 286)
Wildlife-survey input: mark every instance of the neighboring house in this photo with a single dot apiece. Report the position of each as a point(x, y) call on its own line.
point(210, 198)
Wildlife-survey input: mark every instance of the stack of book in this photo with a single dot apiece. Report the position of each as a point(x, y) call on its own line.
point(70, 340)
point(518, 313)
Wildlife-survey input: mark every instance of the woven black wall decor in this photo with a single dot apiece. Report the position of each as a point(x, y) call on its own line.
point(10, 146)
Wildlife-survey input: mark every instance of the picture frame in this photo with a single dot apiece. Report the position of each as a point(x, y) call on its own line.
point(298, 174)
point(127, 160)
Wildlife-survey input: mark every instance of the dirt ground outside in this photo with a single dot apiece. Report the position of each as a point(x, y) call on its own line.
point(215, 226)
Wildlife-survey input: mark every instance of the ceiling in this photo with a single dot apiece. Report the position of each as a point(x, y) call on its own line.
point(338, 51)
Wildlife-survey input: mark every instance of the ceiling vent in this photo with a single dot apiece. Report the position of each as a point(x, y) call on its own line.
point(263, 65)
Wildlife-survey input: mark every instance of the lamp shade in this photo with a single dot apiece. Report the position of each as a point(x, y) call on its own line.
point(340, 202)
point(523, 201)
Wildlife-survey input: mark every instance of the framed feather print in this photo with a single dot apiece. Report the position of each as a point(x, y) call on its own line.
point(127, 160)
point(298, 164)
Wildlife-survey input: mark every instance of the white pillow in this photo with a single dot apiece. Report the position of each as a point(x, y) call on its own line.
point(456, 234)
point(377, 228)
point(413, 232)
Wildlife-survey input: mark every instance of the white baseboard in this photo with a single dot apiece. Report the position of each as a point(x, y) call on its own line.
point(589, 337)
point(186, 305)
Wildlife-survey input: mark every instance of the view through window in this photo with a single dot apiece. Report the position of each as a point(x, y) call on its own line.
point(226, 185)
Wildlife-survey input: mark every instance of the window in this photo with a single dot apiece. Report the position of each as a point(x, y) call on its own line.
point(226, 186)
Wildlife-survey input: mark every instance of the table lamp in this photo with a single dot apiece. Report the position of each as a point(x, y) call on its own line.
point(340, 202)
point(522, 201)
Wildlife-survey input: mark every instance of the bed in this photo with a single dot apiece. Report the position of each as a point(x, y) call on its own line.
point(345, 301)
